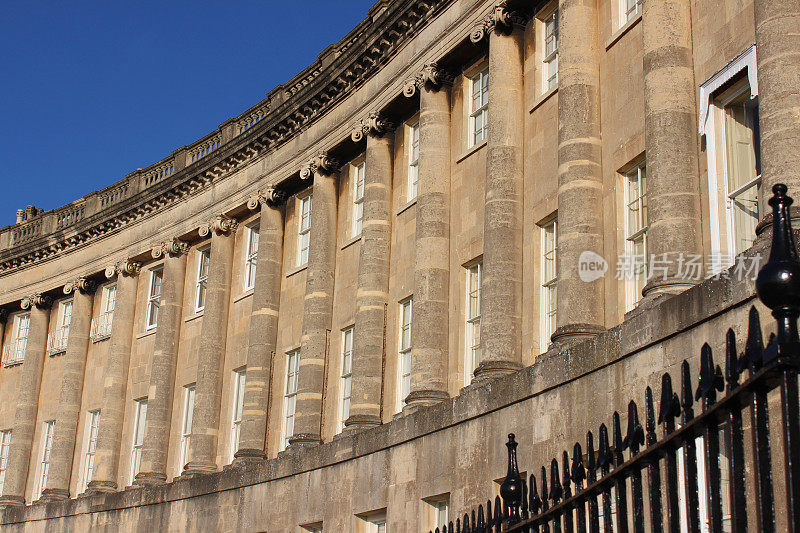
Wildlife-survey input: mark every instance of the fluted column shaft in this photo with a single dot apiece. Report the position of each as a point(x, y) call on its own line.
point(115, 383)
point(155, 444)
point(579, 306)
point(673, 179)
point(317, 312)
point(778, 65)
point(25, 415)
point(501, 291)
point(263, 334)
point(430, 322)
point(69, 398)
point(372, 294)
point(211, 354)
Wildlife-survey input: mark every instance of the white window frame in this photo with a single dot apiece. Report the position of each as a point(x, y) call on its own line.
point(405, 341)
point(154, 297)
point(89, 449)
point(742, 65)
point(358, 175)
point(478, 107)
point(45, 449)
point(186, 425)
point(549, 20)
point(57, 340)
point(637, 276)
point(239, 380)
point(628, 12)
point(549, 284)
point(437, 511)
point(290, 396)
point(375, 522)
point(413, 160)
point(14, 352)
point(137, 437)
point(5, 447)
point(201, 280)
point(251, 256)
point(304, 207)
point(472, 318)
point(345, 376)
point(102, 323)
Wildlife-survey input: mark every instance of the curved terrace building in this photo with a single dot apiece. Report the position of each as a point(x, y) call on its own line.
point(465, 218)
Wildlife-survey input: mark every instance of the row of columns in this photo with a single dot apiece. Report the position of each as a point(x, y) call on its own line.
point(673, 220)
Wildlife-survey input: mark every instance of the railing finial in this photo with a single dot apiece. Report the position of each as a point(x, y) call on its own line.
point(778, 282)
point(511, 489)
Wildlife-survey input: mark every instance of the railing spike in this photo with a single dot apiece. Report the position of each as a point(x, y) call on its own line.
point(731, 360)
point(753, 356)
point(618, 445)
point(635, 435)
point(488, 523)
point(436, 530)
point(477, 523)
point(555, 483)
point(591, 466)
point(604, 458)
point(450, 527)
point(535, 501)
point(686, 393)
point(524, 507)
point(565, 475)
point(545, 492)
point(578, 472)
point(710, 379)
point(458, 525)
point(670, 406)
point(649, 418)
point(497, 522)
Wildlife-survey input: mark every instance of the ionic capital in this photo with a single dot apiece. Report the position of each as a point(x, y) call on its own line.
point(83, 285)
point(37, 299)
point(220, 225)
point(375, 125)
point(126, 267)
point(272, 197)
point(322, 163)
point(174, 248)
point(501, 20)
point(432, 76)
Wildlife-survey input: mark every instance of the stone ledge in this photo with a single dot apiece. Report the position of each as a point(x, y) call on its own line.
point(663, 320)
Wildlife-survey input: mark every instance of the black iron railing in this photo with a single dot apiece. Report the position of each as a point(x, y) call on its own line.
point(642, 482)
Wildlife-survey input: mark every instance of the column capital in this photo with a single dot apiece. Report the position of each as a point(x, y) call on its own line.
point(82, 284)
point(375, 125)
point(501, 20)
point(322, 163)
point(431, 75)
point(220, 225)
point(174, 248)
point(126, 267)
point(36, 299)
point(272, 197)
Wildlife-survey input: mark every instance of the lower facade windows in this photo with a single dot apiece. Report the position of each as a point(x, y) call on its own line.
point(404, 353)
point(547, 313)
point(472, 325)
point(636, 257)
point(5, 447)
point(346, 377)
point(137, 440)
point(239, 377)
point(48, 429)
point(89, 447)
point(290, 396)
point(186, 426)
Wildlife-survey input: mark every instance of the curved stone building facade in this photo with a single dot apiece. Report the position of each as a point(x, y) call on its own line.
point(327, 312)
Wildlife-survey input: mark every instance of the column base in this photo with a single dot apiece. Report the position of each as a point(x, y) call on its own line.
point(96, 486)
point(570, 334)
point(194, 468)
point(304, 439)
point(54, 495)
point(425, 397)
point(489, 370)
point(667, 287)
point(9, 500)
point(149, 478)
point(355, 422)
point(248, 455)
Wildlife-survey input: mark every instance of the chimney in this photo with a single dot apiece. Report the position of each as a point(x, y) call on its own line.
point(20, 216)
point(30, 212)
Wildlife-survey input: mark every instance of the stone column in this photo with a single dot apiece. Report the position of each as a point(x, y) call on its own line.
point(155, 444)
point(211, 353)
point(430, 307)
point(263, 327)
point(69, 398)
point(318, 303)
point(115, 378)
point(778, 65)
point(372, 294)
point(501, 291)
point(580, 303)
point(673, 179)
point(25, 415)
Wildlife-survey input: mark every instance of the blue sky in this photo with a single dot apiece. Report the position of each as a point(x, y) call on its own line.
point(93, 90)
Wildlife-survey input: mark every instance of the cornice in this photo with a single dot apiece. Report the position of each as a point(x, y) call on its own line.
point(287, 111)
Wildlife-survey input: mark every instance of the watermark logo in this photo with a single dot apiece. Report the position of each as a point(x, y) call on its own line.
point(591, 266)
